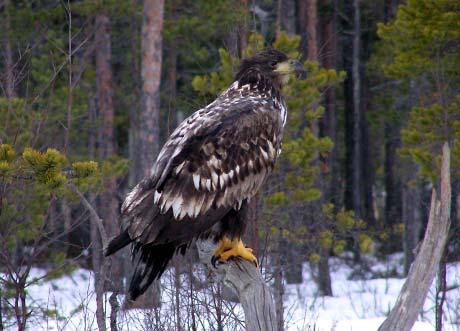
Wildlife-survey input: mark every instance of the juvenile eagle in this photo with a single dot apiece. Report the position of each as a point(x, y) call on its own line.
point(210, 167)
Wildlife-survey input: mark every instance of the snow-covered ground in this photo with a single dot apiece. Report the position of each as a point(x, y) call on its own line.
point(68, 303)
point(361, 305)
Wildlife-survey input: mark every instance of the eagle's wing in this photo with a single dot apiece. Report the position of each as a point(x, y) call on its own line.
point(217, 158)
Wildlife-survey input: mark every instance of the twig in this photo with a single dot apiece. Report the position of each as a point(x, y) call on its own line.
point(94, 215)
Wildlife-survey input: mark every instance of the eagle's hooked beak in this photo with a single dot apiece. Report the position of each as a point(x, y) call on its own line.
point(291, 67)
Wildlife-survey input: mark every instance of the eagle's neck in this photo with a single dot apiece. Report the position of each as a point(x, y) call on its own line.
point(256, 89)
point(261, 82)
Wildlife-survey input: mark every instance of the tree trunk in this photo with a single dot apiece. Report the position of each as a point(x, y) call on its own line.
point(288, 19)
point(324, 279)
point(96, 246)
point(246, 281)
point(243, 35)
point(324, 274)
point(135, 174)
point(174, 115)
point(308, 21)
point(8, 54)
point(356, 161)
point(422, 272)
point(389, 9)
point(148, 144)
point(368, 165)
point(352, 93)
point(285, 17)
point(149, 134)
point(279, 13)
point(104, 89)
point(302, 17)
point(328, 128)
point(393, 185)
point(312, 39)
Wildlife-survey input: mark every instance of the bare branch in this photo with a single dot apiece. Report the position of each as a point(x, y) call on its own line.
point(94, 216)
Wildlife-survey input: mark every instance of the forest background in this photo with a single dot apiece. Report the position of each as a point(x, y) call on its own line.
point(90, 90)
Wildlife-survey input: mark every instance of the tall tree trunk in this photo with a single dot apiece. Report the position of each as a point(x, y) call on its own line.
point(367, 158)
point(104, 90)
point(243, 35)
point(393, 198)
point(393, 186)
point(288, 18)
point(149, 134)
point(9, 78)
point(307, 27)
point(135, 175)
point(148, 144)
point(302, 24)
point(174, 115)
point(311, 17)
point(96, 246)
point(279, 14)
point(356, 161)
point(285, 17)
point(352, 93)
point(312, 22)
point(328, 127)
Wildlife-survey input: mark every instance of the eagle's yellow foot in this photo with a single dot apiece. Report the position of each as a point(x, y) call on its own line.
point(233, 248)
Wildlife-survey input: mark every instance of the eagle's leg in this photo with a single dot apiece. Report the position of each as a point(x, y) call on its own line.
point(233, 248)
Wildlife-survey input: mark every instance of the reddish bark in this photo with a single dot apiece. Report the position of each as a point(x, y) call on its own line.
point(152, 27)
point(104, 91)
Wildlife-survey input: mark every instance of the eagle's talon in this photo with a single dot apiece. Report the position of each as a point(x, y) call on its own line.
point(229, 249)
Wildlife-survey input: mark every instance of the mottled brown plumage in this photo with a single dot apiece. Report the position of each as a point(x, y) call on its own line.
point(211, 165)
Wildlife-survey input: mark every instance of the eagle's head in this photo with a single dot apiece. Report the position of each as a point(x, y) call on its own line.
point(269, 67)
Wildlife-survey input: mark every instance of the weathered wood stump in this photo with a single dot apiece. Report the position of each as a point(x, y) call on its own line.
point(422, 272)
point(245, 280)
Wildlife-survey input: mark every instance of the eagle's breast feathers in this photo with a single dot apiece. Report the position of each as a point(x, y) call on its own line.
point(217, 158)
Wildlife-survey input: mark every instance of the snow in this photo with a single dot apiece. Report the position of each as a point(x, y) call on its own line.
point(68, 303)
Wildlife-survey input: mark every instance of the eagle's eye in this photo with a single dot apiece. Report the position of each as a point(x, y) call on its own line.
point(273, 64)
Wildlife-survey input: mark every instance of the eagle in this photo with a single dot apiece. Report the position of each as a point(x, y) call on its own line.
point(207, 171)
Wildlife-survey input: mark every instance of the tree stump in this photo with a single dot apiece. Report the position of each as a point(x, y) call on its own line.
point(422, 272)
point(245, 280)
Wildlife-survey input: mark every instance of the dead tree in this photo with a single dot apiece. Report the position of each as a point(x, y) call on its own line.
point(246, 281)
point(422, 272)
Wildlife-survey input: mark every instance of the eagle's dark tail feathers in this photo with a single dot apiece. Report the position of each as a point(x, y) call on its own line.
point(152, 262)
point(118, 243)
